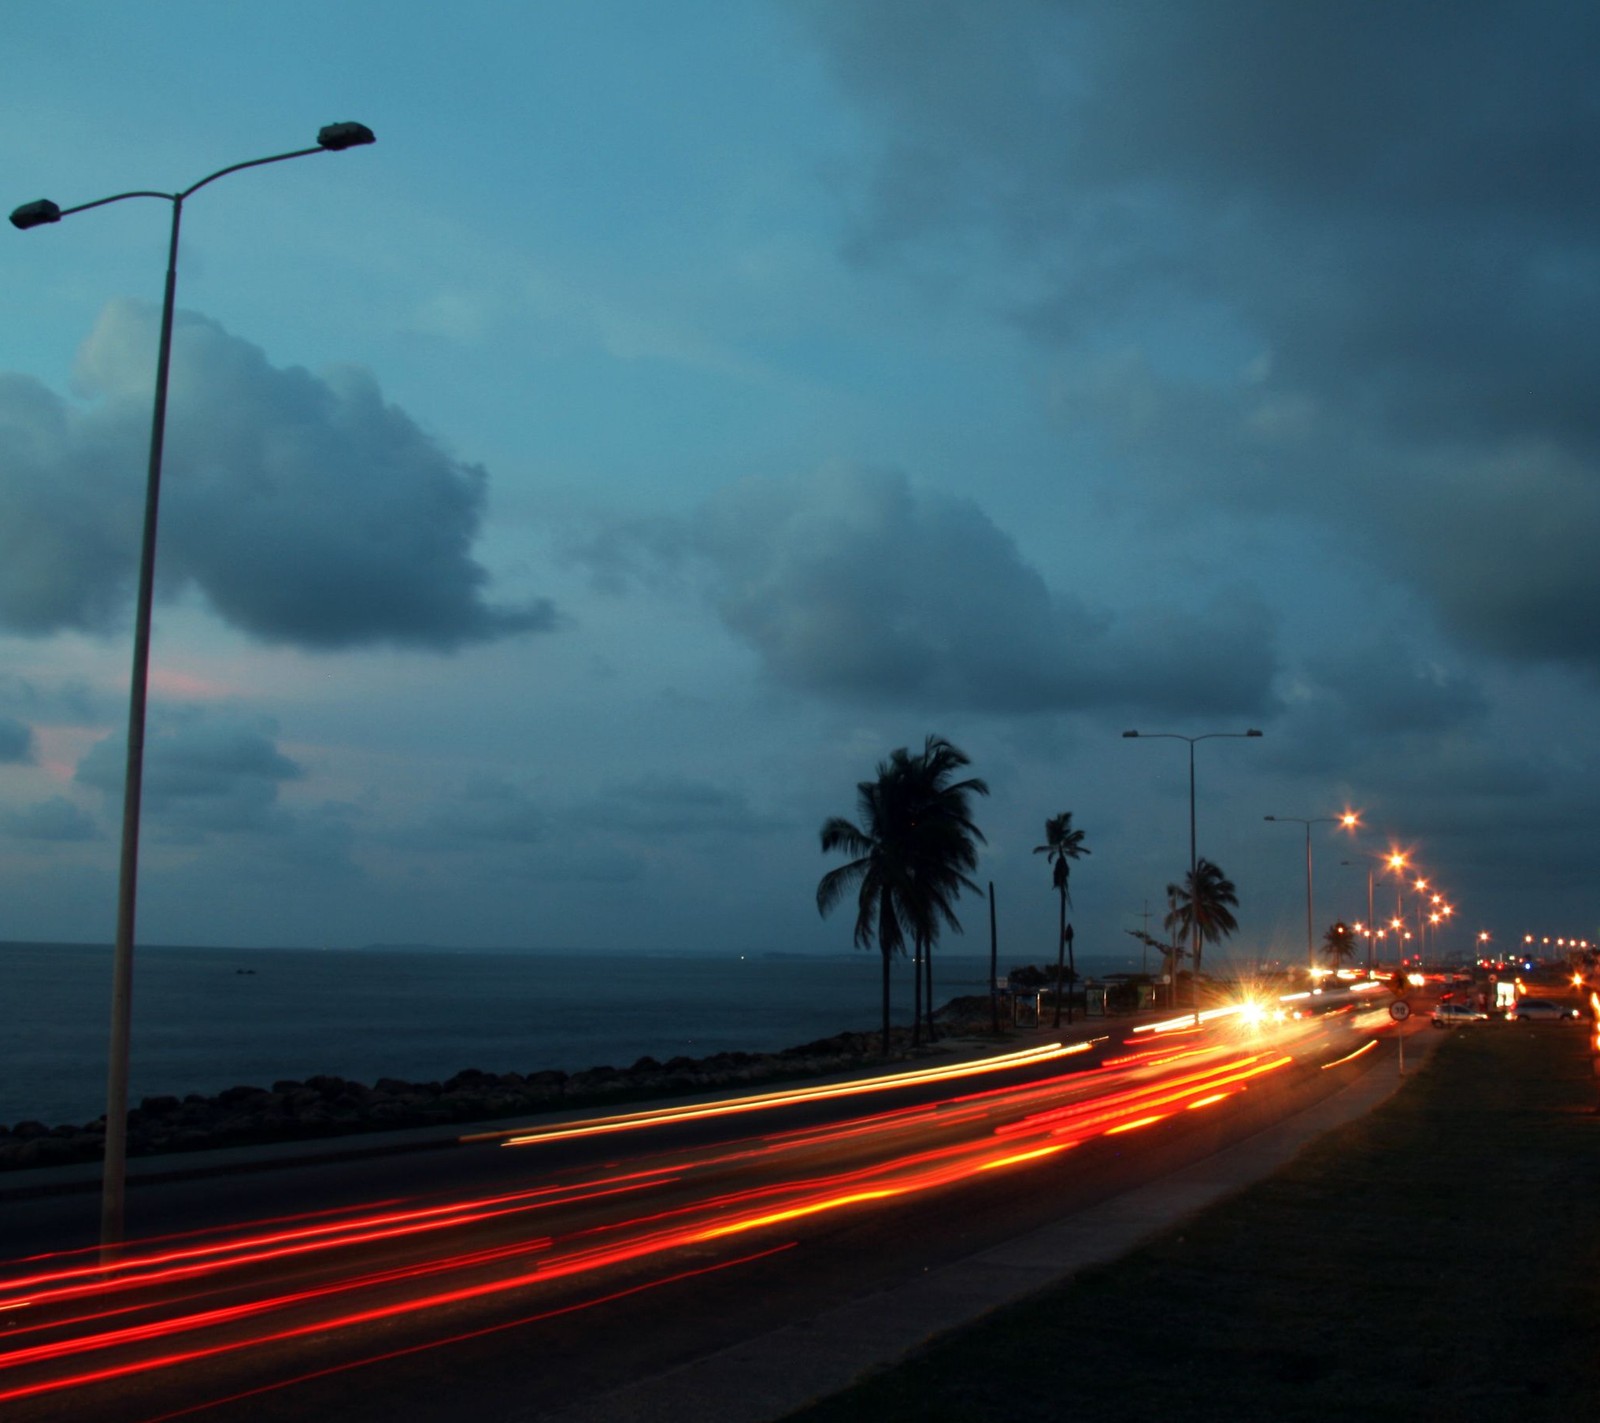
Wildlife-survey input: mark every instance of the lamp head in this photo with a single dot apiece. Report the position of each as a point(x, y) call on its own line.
point(1252, 732)
point(1125, 734)
point(35, 214)
point(337, 137)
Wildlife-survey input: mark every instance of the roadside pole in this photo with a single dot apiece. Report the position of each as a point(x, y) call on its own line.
point(1400, 1010)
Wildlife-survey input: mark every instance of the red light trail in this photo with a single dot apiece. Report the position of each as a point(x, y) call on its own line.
point(316, 1280)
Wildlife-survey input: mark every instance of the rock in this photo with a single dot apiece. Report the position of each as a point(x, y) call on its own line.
point(325, 1104)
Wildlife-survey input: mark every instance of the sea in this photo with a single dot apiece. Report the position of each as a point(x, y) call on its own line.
point(205, 1019)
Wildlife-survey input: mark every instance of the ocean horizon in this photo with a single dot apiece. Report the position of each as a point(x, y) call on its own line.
point(205, 1019)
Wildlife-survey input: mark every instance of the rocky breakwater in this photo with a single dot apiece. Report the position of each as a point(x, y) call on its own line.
point(325, 1106)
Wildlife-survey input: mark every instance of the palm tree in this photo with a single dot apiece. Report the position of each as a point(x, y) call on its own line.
point(1201, 908)
point(1063, 845)
point(1339, 943)
point(910, 857)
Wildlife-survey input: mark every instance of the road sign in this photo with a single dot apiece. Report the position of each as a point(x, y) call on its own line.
point(1400, 1010)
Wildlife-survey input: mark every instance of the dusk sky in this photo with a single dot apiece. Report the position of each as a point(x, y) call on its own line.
point(571, 497)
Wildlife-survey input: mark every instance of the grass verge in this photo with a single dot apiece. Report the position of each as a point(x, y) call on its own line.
point(1439, 1259)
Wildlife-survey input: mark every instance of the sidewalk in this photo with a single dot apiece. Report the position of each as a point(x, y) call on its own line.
point(768, 1378)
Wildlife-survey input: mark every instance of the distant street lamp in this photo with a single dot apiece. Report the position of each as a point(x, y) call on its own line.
point(1194, 920)
point(1349, 822)
point(333, 138)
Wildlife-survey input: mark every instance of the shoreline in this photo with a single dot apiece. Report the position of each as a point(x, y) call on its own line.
point(324, 1105)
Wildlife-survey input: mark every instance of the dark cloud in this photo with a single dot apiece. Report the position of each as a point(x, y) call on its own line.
point(70, 700)
point(658, 805)
point(492, 828)
point(492, 812)
point(1384, 688)
point(56, 820)
point(16, 742)
point(852, 585)
point(304, 508)
point(1376, 227)
point(201, 776)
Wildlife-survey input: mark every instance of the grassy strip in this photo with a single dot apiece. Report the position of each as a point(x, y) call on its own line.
point(1439, 1259)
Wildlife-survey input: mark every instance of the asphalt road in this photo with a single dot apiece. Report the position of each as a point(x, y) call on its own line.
point(514, 1282)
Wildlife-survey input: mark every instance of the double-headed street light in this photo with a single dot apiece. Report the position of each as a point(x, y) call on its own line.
point(332, 139)
point(1349, 822)
point(1194, 918)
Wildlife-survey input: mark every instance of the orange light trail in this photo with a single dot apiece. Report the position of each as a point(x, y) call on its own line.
point(766, 1101)
point(1022, 1156)
point(1365, 1047)
point(1142, 1122)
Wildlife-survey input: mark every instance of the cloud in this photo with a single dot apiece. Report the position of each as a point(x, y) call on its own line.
point(56, 820)
point(201, 777)
point(853, 586)
point(488, 812)
point(658, 805)
point(1382, 688)
point(304, 508)
point(16, 742)
point(1313, 260)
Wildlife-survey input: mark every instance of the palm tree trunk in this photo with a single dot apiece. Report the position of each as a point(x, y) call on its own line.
point(927, 950)
point(1072, 977)
point(886, 945)
point(916, 994)
point(1061, 949)
point(885, 957)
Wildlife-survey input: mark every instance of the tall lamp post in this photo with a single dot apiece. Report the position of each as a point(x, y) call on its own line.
point(1194, 919)
point(1349, 822)
point(333, 138)
point(1369, 929)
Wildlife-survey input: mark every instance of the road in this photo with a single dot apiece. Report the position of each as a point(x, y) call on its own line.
point(516, 1275)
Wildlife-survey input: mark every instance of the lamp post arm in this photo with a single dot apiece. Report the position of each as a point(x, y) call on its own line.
point(118, 197)
point(251, 163)
point(193, 187)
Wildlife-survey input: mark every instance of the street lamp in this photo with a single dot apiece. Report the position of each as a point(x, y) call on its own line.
point(1349, 822)
point(1367, 930)
point(333, 138)
point(1194, 919)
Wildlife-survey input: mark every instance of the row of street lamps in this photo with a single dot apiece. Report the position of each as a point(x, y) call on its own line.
point(1432, 909)
point(1432, 912)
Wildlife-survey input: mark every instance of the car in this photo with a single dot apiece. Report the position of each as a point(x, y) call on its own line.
point(1448, 1015)
point(1540, 1010)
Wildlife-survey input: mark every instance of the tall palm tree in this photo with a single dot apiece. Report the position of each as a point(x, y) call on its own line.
point(948, 840)
point(1202, 908)
point(910, 856)
point(1063, 845)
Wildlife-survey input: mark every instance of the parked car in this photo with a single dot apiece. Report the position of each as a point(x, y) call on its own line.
point(1540, 1010)
point(1449, 1015)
